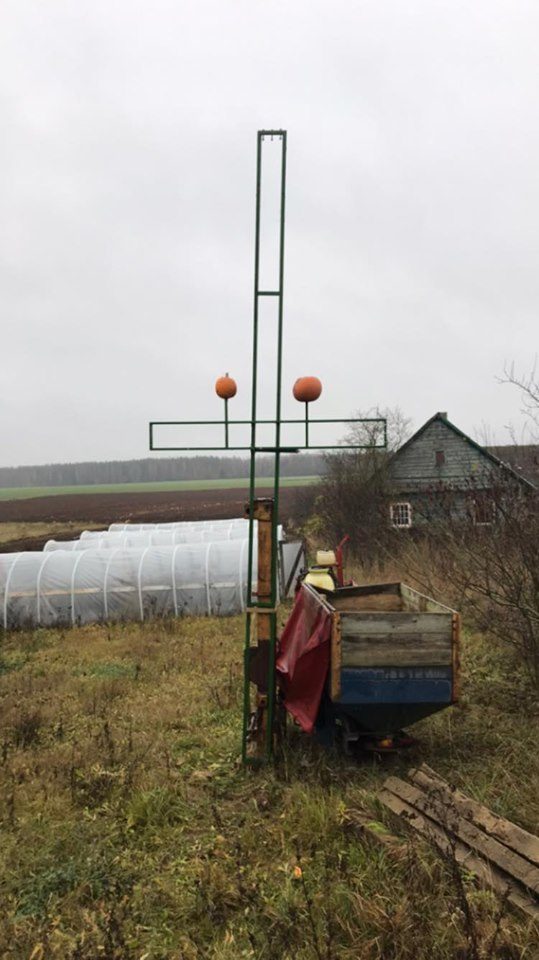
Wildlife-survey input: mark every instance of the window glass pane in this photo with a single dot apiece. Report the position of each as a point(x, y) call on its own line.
point(401, 514)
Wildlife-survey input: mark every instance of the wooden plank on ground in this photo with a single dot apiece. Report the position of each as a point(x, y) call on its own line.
point(486, 874)
point(376, 832)
point(497, 853)
point(511, 835)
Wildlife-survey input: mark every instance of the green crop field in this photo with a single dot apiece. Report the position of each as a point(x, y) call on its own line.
point(25, 493)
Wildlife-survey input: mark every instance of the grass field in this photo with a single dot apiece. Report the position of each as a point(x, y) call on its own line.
point(24, 493)
point(48, 529)
point(130, 830)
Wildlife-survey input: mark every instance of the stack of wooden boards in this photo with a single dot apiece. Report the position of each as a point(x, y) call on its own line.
point(502, 855)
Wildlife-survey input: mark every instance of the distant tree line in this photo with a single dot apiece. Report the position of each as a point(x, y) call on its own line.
point(155, 470)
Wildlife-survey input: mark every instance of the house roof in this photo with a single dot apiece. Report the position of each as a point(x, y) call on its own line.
point(522, 457)
point(484, 451)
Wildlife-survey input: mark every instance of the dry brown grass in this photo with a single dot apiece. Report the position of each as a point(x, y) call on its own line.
point(49, 529)
point(130, 830)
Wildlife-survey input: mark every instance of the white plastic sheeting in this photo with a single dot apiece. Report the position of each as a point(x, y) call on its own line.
point(145, 538)
point(63, 587)
point(185, 532)
point(109, 540)
point(235, 522)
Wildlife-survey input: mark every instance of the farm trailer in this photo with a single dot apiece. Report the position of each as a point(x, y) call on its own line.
point(363, 662)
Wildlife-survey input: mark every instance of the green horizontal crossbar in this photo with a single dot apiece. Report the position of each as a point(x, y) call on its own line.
point(309, 446)
point(219, 423)
point(271, 449)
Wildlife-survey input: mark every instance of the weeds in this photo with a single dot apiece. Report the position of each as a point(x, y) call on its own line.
point(130, 830)
point(13, 662)
point(152, 810)
point(109, 671)
point(27, 728)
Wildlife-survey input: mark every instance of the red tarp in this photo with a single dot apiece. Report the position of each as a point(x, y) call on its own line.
point(303, 659)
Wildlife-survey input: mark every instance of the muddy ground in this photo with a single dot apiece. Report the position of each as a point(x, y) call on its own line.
point(105, 508)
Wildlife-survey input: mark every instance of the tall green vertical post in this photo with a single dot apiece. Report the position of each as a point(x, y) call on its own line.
point(258, 605)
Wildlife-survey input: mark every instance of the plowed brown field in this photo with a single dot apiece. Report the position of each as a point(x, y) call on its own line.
point(105, 508)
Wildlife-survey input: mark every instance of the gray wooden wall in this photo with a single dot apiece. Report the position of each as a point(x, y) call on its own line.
point(415, 468)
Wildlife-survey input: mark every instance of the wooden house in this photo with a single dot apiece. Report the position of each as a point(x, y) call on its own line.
point(441, 471)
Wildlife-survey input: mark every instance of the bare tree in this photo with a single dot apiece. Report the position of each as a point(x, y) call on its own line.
point(398, 427)
point(353, 492)
point(489, 568)
point(528, 384)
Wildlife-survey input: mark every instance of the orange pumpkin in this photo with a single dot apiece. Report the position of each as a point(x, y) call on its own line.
point(226, 387)
point(307, 389)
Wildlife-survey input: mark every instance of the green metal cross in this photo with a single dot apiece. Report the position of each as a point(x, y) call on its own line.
point(261, 606)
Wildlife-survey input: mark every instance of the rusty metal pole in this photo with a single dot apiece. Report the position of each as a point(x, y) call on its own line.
point(262, 652)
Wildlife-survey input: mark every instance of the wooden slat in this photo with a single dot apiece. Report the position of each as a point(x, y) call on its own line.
point(376, 832)
point(410, 599)
point(336, 657)
point(487, 846)
point(438, 638)
point(455, 650)
point(369, 596)
point(413, 600)
point(395, 622)
point(487, 875)
point(397, 639)
point(404, 654)
point(371, 588)
point(372, 602)
point(511, 835)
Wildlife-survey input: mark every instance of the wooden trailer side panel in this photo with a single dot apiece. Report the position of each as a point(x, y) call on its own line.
point(336, 657)
point(397, 639)
point(413, 600)
point(455, 625)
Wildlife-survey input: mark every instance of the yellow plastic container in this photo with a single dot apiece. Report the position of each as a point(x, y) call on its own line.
point(320, 579)
point(326, 558)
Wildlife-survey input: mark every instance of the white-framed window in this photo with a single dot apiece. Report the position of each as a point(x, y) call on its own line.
point(401, 514)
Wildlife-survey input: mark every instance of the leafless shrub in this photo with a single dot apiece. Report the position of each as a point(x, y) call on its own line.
point(27, 729)
point(490, 569)
point(304, 505)
point(354, 491)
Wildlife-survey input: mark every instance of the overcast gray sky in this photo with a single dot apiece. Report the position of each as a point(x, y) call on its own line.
point(127, 174)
